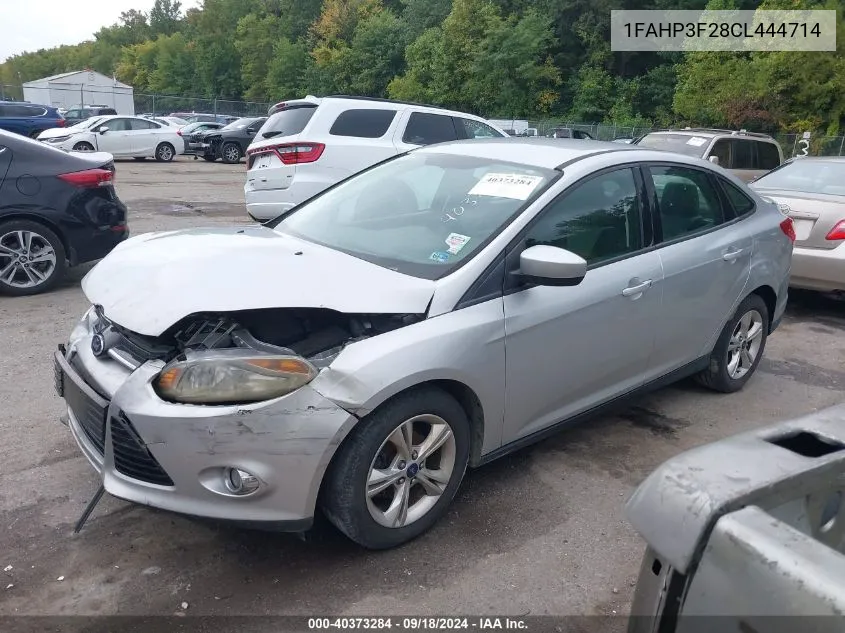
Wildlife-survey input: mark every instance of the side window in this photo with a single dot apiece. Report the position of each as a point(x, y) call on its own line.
point(598, 220)
point(687, 201)
point(35, 111)
point(767, 155)
point(363, 123)
point(743, 154)
point(425, 129)
point(117, 125)
point(140, 124)
point(741, 203)
point(722, 150)
point(475, 129)
point(257, 125)
point(72, 114)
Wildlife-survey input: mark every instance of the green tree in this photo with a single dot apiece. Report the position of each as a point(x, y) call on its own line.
point(165, 17)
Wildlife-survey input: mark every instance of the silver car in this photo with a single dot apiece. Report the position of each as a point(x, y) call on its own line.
point(431, 313)
point(812, 192)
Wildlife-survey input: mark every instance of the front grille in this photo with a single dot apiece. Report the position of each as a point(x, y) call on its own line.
point(131, 456)
point(88, 407)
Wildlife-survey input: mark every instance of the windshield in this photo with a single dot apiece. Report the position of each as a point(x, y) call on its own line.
point(87, 124)
point(421, 214)
point(807, 176)
point(679, 143)
point(239, 124)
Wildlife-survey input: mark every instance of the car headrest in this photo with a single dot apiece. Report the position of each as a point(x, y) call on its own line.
point(679, 199)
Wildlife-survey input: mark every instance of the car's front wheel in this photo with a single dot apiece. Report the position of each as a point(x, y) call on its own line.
point(396, 474)
point(739, 348)
point(165, 152)
point(32, 258)
point(83, 146)
point(231, 153)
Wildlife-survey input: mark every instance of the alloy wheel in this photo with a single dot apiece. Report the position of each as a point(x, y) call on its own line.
point(411, 471)
point(165, 153)
point(232, 154)
point(27, 259)
point(744, 345)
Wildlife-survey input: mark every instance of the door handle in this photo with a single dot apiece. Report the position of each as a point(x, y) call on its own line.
point(630, 291)
point(733, 255)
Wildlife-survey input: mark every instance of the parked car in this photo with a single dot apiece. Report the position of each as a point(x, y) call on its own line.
point(811, 191)
point(372, 370)
point(749, 155)
point(123, 136)
point(56, 210)
point(173, 121)
point(568, 132)
point(192, 136)
point(309, 144)
point(623, 139)
point(229, 143)
point(77, 115)
point(28, 119)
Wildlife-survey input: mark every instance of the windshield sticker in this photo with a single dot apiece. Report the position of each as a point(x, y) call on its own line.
point(516, 186)
point(439, 256)
point(696, 141)
point(456, 242)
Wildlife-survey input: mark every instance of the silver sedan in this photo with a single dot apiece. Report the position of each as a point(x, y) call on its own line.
point(427, 315)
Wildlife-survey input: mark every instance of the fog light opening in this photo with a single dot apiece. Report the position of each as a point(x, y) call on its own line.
point(240, 482)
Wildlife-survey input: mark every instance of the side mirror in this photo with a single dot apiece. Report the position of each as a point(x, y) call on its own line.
point(103, 129)
point(714, 160)
point(551, 266)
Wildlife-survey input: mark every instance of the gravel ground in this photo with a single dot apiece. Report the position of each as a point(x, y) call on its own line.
point(539, 532)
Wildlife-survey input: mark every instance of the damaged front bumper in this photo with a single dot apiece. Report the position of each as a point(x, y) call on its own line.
point(178, 457)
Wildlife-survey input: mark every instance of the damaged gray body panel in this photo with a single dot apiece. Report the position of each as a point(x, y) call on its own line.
point(748, 527)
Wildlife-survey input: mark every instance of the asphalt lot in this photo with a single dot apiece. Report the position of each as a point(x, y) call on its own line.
point(539, 532)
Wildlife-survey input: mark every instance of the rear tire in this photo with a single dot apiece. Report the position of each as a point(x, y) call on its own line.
point(83, 146)
point(231, 153)
point(739, 348)
point(165, 152)
point(40, 260)
point(415, 485)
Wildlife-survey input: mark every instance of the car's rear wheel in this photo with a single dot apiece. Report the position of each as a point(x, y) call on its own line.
point(165, 152)
point(32, 258)
point(231, 153)
point(83, 146)
point(398, 471)
point(739, 348)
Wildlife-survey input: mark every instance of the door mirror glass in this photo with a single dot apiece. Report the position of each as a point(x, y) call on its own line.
point(551, 266)
point(103, 129)
point(714, 160)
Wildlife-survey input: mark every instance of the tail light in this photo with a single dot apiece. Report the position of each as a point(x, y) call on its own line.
point(788, 229)
point(290, 153)
point(61, 123)
point(179, 132)
point(89, 178)
point(837, 232)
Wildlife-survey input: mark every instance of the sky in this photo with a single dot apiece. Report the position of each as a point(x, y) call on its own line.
point(27, 25)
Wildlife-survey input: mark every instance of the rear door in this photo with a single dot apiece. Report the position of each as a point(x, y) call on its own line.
point(265, 169)
point(117, 140)
point(143, 136)
point(706, 256)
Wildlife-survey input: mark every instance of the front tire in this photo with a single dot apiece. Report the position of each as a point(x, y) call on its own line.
point(165, 152)
point(231, 153)
point(83, 146)
point(739, 348)
point(399, 469)
point(32, 258)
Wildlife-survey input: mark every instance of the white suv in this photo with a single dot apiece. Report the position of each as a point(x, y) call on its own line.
point(310, 144)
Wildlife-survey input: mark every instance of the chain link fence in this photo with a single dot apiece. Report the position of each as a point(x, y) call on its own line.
point(122, 99)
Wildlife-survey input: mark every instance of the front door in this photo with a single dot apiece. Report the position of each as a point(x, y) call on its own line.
point(706, 263)
point(117, 140)
point(569, 349)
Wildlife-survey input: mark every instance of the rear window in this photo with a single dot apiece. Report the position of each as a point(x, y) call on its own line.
point(687, 144)
point(768, 156)
point(363, 123)
point(291, 120)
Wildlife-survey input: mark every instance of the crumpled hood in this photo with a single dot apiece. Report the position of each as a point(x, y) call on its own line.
point(151, 281)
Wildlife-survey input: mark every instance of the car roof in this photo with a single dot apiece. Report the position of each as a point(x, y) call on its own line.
point(539, 152)
point(713, 132)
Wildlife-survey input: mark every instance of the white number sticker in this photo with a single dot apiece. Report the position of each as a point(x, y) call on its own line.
point(515, 186)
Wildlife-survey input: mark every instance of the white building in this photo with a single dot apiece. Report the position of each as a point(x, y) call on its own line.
point(81, 87)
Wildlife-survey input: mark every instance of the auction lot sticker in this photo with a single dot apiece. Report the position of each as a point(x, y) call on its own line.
point(515, 186)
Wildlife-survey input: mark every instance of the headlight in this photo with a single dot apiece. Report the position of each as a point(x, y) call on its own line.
point(57, 139)
point(232, 376)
